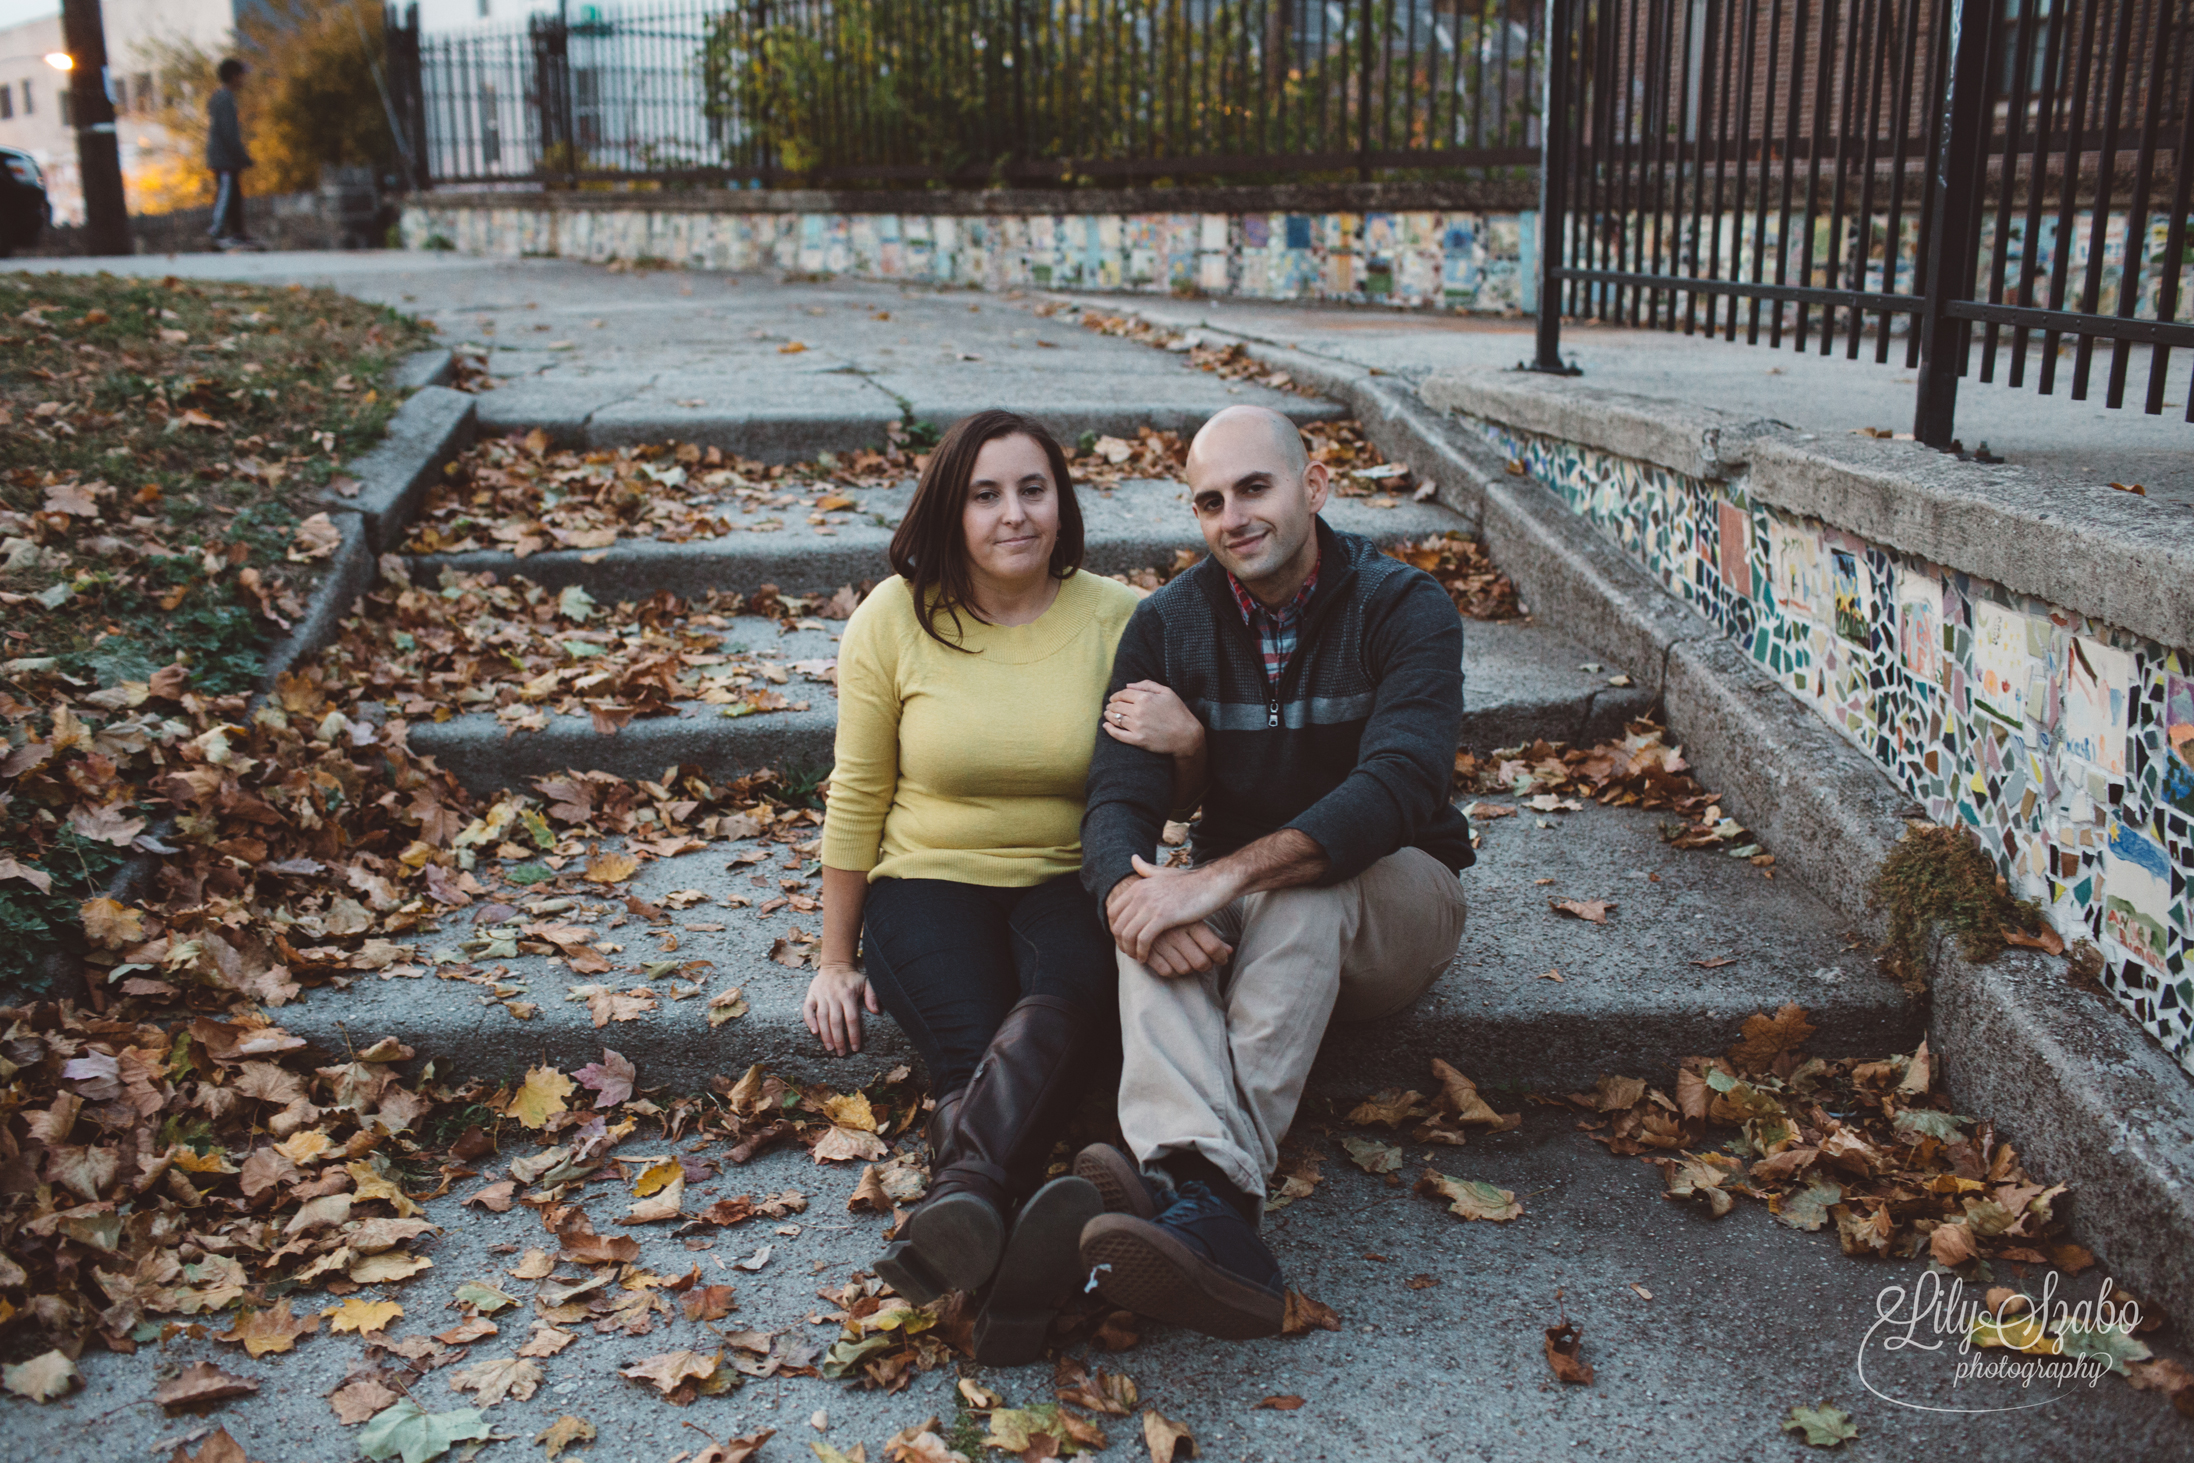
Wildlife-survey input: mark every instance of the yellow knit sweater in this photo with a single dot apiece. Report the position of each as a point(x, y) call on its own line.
point(969, 767)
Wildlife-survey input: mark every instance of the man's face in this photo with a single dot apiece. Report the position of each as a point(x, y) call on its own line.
point(1255, 507)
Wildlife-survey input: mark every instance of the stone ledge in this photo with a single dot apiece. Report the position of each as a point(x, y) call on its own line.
point(1698, 441)
point(349, 573)
point(2088, 1100)
point(434, 367)
point(1468, 196)
point(2114, 556)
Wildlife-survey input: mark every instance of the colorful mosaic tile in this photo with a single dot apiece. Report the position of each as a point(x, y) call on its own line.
point(2065, 743)
point(1458, 260)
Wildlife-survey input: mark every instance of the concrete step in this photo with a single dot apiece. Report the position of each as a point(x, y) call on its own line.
point(1521, 682)
point(1135, 525)
point(1632, 998)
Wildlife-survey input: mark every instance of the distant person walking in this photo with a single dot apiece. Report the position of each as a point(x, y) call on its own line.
point(227, 159)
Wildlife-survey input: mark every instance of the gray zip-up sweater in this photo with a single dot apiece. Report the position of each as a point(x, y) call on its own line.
point(224, 135)
point(1356, 749)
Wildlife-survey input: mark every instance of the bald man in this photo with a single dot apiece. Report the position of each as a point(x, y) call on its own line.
point(1306, 691)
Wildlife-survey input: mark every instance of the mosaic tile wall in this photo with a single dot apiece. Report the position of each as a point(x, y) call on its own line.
point(2067, 744)
point(1458, 260)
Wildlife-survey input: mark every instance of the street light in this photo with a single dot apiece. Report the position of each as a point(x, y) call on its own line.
point(60, 60)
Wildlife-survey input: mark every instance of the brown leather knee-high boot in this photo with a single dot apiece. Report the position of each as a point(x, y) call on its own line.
point(990, 1143)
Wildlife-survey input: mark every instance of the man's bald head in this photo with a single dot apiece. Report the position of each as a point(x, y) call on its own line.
point(1257, 430)
point(1256, 495)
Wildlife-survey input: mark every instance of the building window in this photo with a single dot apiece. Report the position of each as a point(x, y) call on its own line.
point(141, 88)
point(119, 85)
point(7, 102)
point(27, 107)
point(68, 109)
point(483, 9)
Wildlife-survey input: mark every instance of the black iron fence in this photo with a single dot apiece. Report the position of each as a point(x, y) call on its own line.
point(1825, 171)
point(915, 92)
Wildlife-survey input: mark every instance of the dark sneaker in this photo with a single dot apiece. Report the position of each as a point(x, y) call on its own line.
point(1199, 1264)
point(1039, 1269)
point(1120, 1184)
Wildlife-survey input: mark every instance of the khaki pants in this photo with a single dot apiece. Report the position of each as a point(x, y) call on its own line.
point(1216, 1064)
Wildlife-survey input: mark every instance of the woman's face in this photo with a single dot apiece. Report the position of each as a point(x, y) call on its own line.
point(1012, 514)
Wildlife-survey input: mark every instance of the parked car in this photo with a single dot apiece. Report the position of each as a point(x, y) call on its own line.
point(24, 210)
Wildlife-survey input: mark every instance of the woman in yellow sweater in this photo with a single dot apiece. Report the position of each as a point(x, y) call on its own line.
point(969, 686)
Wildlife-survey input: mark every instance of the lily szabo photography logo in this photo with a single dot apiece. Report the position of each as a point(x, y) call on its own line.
point(2021, 1352)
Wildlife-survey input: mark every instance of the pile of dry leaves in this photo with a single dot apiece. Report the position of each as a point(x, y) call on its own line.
point(520, 495)
point(506, 646)
point(1874, 1148)
point(1638, 771)
point(1466, 571)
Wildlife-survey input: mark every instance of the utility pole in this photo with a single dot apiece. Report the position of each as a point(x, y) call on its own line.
point(98, 149)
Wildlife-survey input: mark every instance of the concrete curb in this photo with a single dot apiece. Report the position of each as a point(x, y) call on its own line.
point(431, 428)
point(433, 367)
point(350, 573)
point(2087, 1100)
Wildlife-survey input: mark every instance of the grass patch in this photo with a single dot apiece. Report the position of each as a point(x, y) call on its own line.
point(1938, 875)
point(162, 442)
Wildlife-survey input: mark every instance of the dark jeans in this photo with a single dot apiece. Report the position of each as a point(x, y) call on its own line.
point(948, 960)
point(228, 206)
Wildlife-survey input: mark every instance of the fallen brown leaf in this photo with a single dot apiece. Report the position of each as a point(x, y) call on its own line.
point(1564, 1345)
point(1593, 911)
point(1304, 1315)
point(201, 1385)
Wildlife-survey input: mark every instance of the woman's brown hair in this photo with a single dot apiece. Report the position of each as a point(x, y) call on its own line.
point(930, 549)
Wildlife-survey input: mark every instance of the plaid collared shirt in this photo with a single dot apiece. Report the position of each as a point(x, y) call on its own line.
point(1275, 628)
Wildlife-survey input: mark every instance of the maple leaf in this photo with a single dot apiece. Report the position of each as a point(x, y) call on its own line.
point(1470, 1198)
point(869, 1192)
point(740, 1449)
point(541, 1098)
point(611, 868)
point(1168, 1441)
point(1390, 1107)
point(219, 1447)
point(483, 1297)
point(112, 924)
point(727, 1005)
point(1593, 911)
point(360, 1398)
point(1372, 1156)
point(495, 1197)
point(42, 1378)
point(1564, 1348)
point(492, 1380)
point(1302, 1315)
point(666, 1370)
point(273, 1329)
point(670, 1197)
point(1286, 1402)
point(387, 1268)
point(408, 1430)
point(709, 1303)
point(610, 1080)
point(361, 1315)
point(201, 1384)
point(535, 1264)
point(1821, 1427)
point(1766, 1038)
point(563, 1433)
point(546, 1340)
point(841, 1144)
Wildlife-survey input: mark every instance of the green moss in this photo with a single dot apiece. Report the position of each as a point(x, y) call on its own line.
point(1941, 876)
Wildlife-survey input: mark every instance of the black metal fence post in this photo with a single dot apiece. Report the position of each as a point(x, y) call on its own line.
point(1952, 254)
point(552, 96)
point(1554, 164)
point(407, 93)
